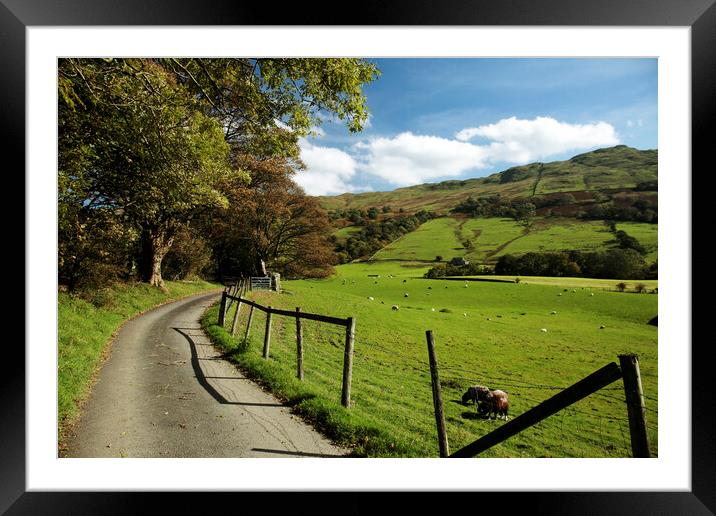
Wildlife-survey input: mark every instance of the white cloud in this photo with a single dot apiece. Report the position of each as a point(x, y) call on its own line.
point(328, 169)
point(409, 159)
point(521, 141)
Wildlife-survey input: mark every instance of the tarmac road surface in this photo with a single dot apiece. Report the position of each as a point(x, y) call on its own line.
point(165, 391)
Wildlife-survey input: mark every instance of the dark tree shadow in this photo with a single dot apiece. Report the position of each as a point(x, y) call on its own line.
point(203, 379)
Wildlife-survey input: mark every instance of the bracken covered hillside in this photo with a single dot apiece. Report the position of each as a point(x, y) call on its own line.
point(604, 170)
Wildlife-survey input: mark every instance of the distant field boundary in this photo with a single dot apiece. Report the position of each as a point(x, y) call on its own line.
point(464, 278)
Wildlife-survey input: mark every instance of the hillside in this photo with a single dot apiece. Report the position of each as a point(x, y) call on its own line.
point(484, 240)
point(612, 169)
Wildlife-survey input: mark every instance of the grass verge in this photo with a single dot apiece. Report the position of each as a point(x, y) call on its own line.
point(317, 407)
point(86, 325)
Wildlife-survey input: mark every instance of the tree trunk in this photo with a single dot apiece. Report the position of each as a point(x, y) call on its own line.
point(156, 241)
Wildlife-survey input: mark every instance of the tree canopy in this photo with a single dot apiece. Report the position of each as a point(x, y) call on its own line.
point(148, 145)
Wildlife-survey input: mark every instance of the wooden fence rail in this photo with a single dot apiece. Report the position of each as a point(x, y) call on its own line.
point(599, 379)
point(349, 324)
point(592, 383)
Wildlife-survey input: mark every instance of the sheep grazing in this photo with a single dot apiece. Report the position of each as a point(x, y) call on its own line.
point(370, 298)
point(544, 330)
point(395, 307)
point(405, 294)
point(432, 309)
point(405, 281)
point(474, 394)
point(497, 404)
point(487, 401)
point(554, 312)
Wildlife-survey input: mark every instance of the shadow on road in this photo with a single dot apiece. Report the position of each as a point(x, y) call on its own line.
point(204, 380)
point(293, 453)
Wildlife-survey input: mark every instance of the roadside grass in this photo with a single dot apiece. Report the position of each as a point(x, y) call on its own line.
point(314, 399)
point(85, 327)
point(487, 333)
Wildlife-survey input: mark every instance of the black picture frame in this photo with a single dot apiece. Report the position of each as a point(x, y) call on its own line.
point(699, 15)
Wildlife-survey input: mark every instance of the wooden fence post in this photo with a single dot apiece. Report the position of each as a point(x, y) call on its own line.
point(236, 317)
point(267, 336)
point(299, 346)
point(222, 309)
point(437, 397)
point(635, 405)
point(348, 361)
point(248, 323)
point(572, 394)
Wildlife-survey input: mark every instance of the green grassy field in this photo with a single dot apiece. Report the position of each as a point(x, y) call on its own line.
point(589, 283)
point(345, 232)
point(483, 240)
point(486, 333)
point(559, 235)
point(433, 238)
point(646, 234)
point(85, 327)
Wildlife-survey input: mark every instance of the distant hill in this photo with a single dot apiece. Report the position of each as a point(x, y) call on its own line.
point(610, 170)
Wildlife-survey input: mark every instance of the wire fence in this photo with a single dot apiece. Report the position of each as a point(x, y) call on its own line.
point(600, 419)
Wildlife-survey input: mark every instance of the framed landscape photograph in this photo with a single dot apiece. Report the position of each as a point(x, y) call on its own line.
point(430, 234)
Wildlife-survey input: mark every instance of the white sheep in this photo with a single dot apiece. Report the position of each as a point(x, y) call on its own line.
point(544, 330)
point(554, 312)
point(370, 298)
point(395, 307)
point(405, 294)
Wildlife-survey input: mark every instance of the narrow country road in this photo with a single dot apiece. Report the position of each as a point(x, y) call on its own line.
point(165, 391)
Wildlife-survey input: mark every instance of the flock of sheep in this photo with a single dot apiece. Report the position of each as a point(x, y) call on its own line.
point(405, 294)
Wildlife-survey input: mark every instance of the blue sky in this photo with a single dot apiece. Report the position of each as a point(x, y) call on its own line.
point(438, 119)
